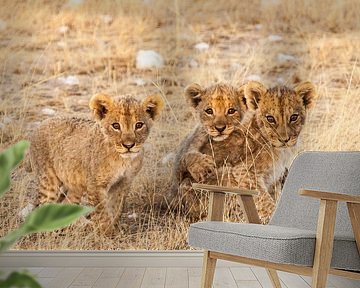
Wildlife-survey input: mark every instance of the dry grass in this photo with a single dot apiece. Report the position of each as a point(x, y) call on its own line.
point(322, 35)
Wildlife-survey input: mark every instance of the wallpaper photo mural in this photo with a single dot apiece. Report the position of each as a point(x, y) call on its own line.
point(126, 104)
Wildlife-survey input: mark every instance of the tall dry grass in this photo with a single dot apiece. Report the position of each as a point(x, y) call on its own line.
point(323, 36)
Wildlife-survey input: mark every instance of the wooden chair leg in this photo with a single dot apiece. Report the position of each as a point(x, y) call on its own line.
point(208, 271)
point(324, 243)
point(274, 278)
point(354, 212)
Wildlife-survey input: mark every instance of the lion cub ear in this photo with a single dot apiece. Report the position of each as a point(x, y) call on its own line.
point(153, 105)
point(306, 90)
point(253, 91)
point(100, 105)
point(193, 94)
point(241, 97)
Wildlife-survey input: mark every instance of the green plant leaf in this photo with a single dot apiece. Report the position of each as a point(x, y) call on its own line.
point(9, 159)
point(20, 280)
point(53, 216)
point(11, 238)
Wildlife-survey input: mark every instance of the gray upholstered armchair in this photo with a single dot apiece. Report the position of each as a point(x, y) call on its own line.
point(314, 231)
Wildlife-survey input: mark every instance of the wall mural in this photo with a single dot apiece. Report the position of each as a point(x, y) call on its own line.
point(126, 104)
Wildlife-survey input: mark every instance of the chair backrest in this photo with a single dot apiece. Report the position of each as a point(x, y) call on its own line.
point(325, 171)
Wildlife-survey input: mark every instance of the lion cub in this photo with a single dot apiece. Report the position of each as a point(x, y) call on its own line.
point(97, 158)
point(257, 150)
point(221, 109)
point(268, 139)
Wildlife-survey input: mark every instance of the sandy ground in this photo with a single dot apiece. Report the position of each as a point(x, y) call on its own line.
point(43, 43)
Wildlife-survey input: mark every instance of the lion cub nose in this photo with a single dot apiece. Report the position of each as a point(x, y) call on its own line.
point(285, 140)
point(128, 145)
point(220, 128)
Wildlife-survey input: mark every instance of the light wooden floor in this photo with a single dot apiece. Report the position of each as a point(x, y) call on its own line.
point(161, 277)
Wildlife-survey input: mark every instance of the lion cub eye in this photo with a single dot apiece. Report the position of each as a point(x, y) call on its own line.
point(294, 117)
point(231, 111)
point(139, 125)
point(209, 111)
point(270, 119)
point(116, 126)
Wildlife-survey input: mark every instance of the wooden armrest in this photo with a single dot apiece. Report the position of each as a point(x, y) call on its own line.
point(330, 196)
point(224, 189)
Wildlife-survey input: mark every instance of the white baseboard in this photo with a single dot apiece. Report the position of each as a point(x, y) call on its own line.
point(17, 258)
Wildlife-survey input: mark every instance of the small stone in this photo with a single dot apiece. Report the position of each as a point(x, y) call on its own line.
point(285, 57)
point(275, 38)
point(61, 44)
point(26, 211)
point(193, 63)
point(74, 3)
point(48, 111)
point(7, 120)
point(202, 46)
point(132, 216)
point(280, 80)
point(147, 59)
point(258, 26)
point(63, 29)
point(107, 19)
point(253, 77)
point(138, 82)
point(3, 25)
point(69, 80)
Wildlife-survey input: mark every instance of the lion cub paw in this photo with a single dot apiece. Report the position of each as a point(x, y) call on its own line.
point(202, 168)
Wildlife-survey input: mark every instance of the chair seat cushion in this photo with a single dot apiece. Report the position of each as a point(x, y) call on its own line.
point(270, 243)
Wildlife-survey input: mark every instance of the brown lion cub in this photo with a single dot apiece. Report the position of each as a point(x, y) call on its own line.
point(96, 159)
point(221, 109)
point(269, 138)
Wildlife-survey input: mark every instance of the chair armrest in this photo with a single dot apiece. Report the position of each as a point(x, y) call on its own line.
point(330, 196)
point(224, 189)
point(217, 199)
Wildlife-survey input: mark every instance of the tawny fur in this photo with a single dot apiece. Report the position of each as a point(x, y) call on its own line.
point(97, 158)
point(256, 154)
point(269, 139)
point(208, 146)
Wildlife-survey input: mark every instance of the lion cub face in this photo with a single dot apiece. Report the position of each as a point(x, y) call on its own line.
point(280, 111)
point(126, 121)
point(221, 108)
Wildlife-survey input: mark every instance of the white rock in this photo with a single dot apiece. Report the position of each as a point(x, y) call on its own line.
point(3, 25)
point(193, 63)
point(280, 80)
point(107, 19)
point(26, 211)
point(147, 59)
point(74, 3)
point(69, 80)
point(61, 44)
point(253, 77)
point(258, 26)
point(2, 125)
point(7, 120)
point(202, 46)
point(138, 81)
point(132, 216)
point(275, 38)
point(48, 111)
point(63, 29)
point(236, 66)
point(168, 158)
point(268, 3)
point(285, 57)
